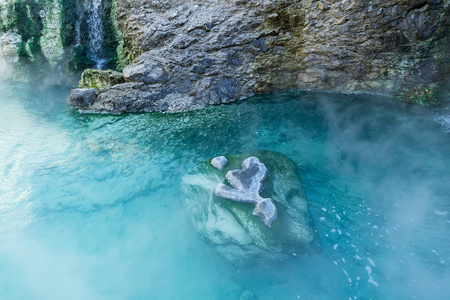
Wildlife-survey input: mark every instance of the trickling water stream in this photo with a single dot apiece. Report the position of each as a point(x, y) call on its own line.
point(78, 30)
point(90, 205)
point(92, 14)
point(96, 31)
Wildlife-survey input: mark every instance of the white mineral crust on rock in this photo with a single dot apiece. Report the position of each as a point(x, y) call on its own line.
point(246, 184)
point(219, 162)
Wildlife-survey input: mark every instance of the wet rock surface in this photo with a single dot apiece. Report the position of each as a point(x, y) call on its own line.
point(202, 53)
point(241, 237)
point(82, 98)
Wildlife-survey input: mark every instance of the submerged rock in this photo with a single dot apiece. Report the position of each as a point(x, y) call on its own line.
point(231, 227)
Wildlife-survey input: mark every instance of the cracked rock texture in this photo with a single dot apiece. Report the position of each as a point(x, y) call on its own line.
point(188, 54)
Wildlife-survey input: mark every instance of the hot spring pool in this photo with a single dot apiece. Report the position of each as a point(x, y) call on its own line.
point(90, 205)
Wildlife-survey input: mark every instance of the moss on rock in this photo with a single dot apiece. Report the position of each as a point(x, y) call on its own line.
point(51, 42)
point(48, 38)
point(100, 79)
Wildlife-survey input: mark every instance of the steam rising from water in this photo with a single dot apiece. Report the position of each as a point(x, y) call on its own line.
point(5, 70)
point(90, 205)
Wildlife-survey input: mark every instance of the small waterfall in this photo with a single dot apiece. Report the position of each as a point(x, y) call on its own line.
point(78, 29)
point(92, 14)
point(95, 25)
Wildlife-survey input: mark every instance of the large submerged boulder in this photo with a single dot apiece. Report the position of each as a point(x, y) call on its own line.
point(240, 235)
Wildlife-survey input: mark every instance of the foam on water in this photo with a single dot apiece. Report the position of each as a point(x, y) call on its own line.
point(90, 205)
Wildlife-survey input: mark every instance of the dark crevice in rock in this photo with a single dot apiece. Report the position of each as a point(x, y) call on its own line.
point(418, 6)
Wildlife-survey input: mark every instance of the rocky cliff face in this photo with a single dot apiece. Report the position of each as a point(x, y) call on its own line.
point(190, 54)
point(186, 54)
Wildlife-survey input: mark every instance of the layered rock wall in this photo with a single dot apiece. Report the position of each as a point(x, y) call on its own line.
point(394, 47)
point(181, 55)
point(187, 54)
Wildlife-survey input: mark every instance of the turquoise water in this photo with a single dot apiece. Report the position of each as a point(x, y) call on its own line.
point(90, 205)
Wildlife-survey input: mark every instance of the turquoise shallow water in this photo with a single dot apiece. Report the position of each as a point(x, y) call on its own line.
point(90, 205)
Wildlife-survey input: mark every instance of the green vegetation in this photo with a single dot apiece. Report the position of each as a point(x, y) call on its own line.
point(41, 30)
point(69, 18)
point(99, 79)
point(23, 18)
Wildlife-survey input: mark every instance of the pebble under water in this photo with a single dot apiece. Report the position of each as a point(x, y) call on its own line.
point(90, 205)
